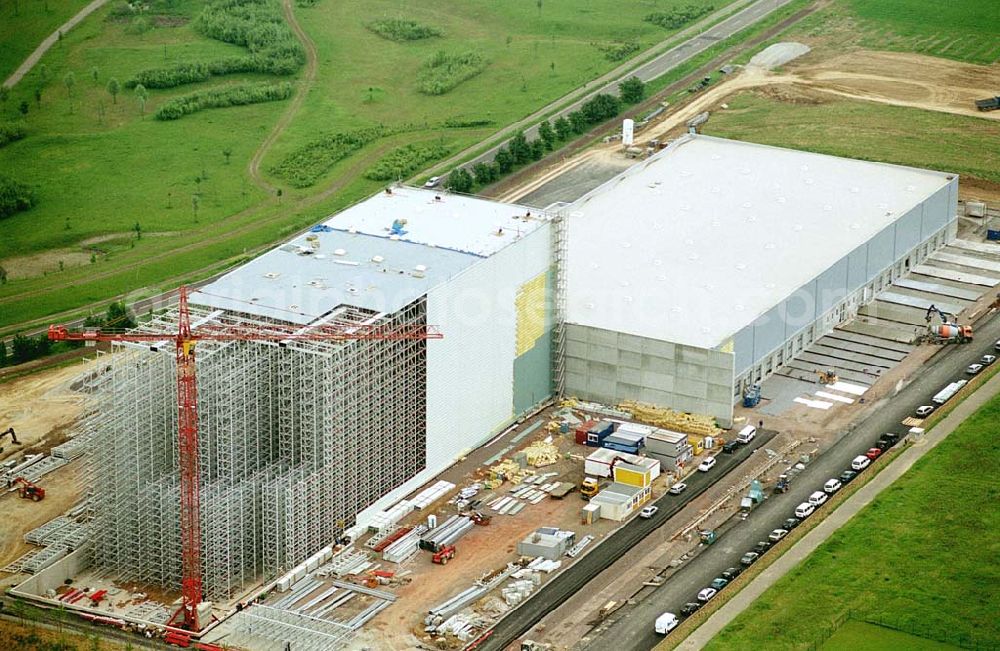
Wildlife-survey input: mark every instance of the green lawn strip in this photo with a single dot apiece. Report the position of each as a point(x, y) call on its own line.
point(866, 131)
point(918, 558)
point(861, 636)
point(24, 24)
point(690, 624)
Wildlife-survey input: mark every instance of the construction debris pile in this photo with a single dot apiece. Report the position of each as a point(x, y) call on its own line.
point(670, 419)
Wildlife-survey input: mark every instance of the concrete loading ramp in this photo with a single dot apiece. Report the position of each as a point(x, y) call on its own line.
point(937, 289)
point(944, 272)
point(874, 352)
point(843, 334)
point(901, 315)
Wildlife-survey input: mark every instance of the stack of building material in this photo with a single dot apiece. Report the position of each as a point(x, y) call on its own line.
point(430, 495)
point(670, 419)
point(44, 558)
point(405, 547)
point(71, 449)
point(37, 470)
point(575, 550)
point(447, 534)
point(541, 453)
point(14, 471)
point(517, 591)
point(463, 626)
point(509, 470)
point(387, 519)
point(347, 561)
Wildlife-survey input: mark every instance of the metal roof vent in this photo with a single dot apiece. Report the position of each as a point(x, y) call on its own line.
point(804, 168)
point(420, 267)
point(662, 277)
point(692, 256)
point(627, 299)
point(745, 171)
point(739, 307)
point(855, 226)
point(747, 204)
point(271, 275)
point(715, 189)
point(827, 207)
point(810, 181)
point(740, 266)
point(769, 245)
point(293, 306)
point(377, 258)
point(676, 309)
point(797, 228)
point(705, 329)
point(594, 265)
point(339, 252)
point(352, 290)
point(685, 206)
point(626, 245)
point(624, 283)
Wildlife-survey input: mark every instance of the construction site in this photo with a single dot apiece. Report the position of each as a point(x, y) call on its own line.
point(378, 434)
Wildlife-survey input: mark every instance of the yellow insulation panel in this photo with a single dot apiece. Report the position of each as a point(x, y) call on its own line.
point(530, 306)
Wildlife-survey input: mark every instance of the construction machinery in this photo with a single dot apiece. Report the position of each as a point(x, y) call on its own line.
point(589, 487)
point(828, 376)
point(13, 436)
point(184, 340)
point(445, 554)
point(27, 490)
point(948, 331)
point(751, 397)
point(707, 536)
point(480, 519)
point(783, 484)
point(988, 104)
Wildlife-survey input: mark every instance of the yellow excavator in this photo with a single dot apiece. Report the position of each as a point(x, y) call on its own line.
point(828, 376)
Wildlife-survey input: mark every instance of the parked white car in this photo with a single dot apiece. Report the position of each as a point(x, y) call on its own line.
point(433, 182)
point(804, 510)
point(832, 486)
point(818, 498)
point(677, 488)
point(986, 360)
point(974, 368)
point(860, 463)
point(666, 623)
point(706, 594)
point(648, 512)
point(923, 411)
point(707, 464)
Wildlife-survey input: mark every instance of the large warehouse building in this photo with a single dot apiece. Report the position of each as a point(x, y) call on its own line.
point(298, 441)
point(676, 283)
point(704, 268)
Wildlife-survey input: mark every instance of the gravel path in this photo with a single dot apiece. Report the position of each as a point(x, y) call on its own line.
point(51, 40)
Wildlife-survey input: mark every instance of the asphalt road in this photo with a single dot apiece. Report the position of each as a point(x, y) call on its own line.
point(599, 559)
point(632, 627)
point(661, 64)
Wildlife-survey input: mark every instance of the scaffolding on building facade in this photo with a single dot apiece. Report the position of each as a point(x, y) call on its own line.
point(295, 439)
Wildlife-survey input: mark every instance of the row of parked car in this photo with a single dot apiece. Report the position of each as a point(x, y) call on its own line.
point(668, 621)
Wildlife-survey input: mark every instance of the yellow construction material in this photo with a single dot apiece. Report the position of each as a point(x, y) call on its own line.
point(540, 454)
point(672, 420)
point(507, 470)
point(530, 306)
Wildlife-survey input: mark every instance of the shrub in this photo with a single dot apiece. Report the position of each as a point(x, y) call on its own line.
point(459, 180)
point(11, 131)
point(618, 51)
point(461, 123)
point(404, 161)
point(600, 108)
point(677, 18)
point(401, 29)
point(632, 90)
point(257, 25)
point(236, 95)
point(304, 166)
point(444, 71)
point(15, 197)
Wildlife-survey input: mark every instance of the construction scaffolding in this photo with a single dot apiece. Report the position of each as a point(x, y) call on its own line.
point(295, 439)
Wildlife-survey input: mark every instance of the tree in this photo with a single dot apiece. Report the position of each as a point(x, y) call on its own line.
point(547, 134)
point(460, 180)
point(227, 152)
point(69, 80)
point(632, 90)
point(3, 353)
point(113, 89)
point(95, 74)
point(22, 349)
point(519, 148)
point(563, 128)
point(484, 173)
point(577, 122)
point(38, 96)
point(119, 316)
point(4, 94)
point(142, 95)
point(537, 147)
point(602, 107)
point(504, 161)
point(23, 108)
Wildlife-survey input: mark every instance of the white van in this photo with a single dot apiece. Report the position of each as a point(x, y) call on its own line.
point(804, 510)
point(746, 434)
point(665, 623)
point(860, 462)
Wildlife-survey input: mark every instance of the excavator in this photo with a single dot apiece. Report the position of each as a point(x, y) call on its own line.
point(29, 491)
point(828, 377)
point(13, 437)
point(948, 331)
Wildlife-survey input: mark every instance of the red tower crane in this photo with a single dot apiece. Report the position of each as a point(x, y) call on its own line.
point(185, 339)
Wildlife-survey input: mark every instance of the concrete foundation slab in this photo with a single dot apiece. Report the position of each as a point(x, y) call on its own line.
point(978, 247)
point(899, 298)
point(970, 261)
point(854, 375)
point(938, 288)
point(864, 349)
point(877, 342)
point(880, 330)
point(895, 313)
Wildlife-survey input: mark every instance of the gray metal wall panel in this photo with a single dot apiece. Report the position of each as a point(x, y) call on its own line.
point(743, 347)
point(768, 332)
point(908, 231)
point(687, 378)
point(939, 209)
point(881, 250)
point(857, 273)
point(831, 288)
point(797, 310)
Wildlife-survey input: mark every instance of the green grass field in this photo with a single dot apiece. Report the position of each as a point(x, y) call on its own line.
point(99, 167)
point(864, 130)
point(24, 24)
point(964, 30)
point(920, 559)
point(862, 636)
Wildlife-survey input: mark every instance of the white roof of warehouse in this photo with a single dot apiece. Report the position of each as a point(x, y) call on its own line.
point(359, 262)
point(698, 241)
